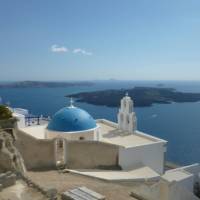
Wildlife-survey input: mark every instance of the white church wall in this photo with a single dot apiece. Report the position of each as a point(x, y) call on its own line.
point(89, 135)
point(151, 155)
point(81, 135)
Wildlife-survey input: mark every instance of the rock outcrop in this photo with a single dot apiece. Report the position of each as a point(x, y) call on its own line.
point(10, 158)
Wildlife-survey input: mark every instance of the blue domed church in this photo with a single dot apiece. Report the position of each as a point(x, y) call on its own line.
point(72, 123)
point(76, 140)
point(129, 154)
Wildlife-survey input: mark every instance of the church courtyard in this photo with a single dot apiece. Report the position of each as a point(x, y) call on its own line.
point(67, 181)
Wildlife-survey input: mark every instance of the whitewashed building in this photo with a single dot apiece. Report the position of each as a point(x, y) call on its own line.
point(136, 149)
point(80, 141)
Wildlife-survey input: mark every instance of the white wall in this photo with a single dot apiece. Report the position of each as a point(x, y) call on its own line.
point(151, 155)
point(87, 135)
point(194, 170)
point(20, 111)
point(178, 192)
point(164, 190)
point(20, 120)
point(187, 183)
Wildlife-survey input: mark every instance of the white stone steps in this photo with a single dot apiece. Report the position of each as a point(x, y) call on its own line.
point(70, 196)
point(82, 193)
point(92, 193)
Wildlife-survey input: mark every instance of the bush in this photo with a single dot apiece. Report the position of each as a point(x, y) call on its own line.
point(5, 113)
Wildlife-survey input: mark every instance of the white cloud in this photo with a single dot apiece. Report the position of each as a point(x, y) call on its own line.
point(59, 49)
point(82, 51)
point(62, 49)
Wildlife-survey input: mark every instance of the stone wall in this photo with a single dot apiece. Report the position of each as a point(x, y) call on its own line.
point(37, 154)
point(163, 190)
point(90, 154)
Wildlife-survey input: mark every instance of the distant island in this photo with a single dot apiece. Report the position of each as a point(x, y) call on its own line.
point(142, 96)
point(41, 84)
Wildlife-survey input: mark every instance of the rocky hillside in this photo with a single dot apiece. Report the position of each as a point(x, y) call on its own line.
point(10, 159)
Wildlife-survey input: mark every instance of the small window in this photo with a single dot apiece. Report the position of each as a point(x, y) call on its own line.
point(81, 138)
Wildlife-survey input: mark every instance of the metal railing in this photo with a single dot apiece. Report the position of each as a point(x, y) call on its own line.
point(36, 120)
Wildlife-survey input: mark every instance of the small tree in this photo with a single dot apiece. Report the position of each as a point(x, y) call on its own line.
point(5, 113)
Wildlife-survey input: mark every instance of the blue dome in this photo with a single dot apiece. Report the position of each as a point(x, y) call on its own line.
point(70, 119)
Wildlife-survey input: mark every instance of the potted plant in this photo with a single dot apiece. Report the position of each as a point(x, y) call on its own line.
point(6, 118)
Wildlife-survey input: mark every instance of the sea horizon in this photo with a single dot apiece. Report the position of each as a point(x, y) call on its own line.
point(178, 123)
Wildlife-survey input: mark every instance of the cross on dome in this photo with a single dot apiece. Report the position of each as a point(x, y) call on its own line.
point(126, 94)
point(71, 102)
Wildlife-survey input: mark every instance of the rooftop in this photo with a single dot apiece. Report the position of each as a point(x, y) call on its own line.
point(37, 131)
point(111, 134)
point(176, 175)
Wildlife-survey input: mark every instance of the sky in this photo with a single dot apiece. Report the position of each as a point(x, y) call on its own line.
point(99, 40)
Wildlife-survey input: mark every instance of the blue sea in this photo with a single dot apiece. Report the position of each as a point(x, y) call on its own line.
point(178, 123)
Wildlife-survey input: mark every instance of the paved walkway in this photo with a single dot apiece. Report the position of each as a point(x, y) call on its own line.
point(140, 174)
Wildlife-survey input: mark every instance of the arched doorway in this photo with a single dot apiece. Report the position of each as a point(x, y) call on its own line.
point(60, 151)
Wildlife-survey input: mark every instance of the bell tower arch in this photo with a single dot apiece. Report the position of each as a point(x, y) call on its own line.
point(127, 120)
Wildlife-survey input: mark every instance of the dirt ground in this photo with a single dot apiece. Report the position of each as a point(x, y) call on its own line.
point(20, 191)
point(67, 181)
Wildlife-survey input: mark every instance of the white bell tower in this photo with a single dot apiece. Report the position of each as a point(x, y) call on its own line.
point(127, 120)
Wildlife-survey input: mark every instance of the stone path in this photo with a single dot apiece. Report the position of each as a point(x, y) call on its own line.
point(20, 191)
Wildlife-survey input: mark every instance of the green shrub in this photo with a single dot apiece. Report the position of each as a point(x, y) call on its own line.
point(5, 113)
